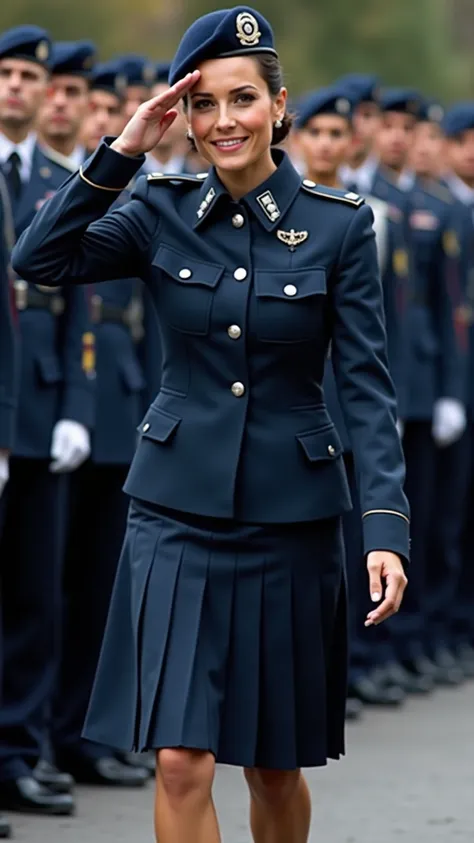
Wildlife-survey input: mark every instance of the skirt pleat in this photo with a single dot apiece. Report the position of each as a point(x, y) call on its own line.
point(235, 641)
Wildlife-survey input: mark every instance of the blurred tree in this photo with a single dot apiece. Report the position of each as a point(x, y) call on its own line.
point(424, 43)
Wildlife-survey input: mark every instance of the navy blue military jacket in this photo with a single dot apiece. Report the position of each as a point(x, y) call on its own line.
point(248, 294)
point(55, 380)
point(8, 338)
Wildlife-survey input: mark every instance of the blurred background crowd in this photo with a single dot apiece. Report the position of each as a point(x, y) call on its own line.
point(381, 95)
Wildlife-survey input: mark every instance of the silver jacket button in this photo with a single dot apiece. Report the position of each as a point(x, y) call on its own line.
point(234, 332)
point(331, 450)
point(309, 183)
point(290, 290)
point(146, 427)
point(238, 221)
point(238, 389)
point(240, 274)
point(185, 273)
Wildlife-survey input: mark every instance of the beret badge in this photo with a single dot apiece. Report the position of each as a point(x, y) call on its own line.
point(42, 51)
point(247, 30)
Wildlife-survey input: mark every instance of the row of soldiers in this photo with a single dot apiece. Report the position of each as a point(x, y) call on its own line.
point(79, 369)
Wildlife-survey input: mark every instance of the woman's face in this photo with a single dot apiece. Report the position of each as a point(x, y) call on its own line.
point(231, 113)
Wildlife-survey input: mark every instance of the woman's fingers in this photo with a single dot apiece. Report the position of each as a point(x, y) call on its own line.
point(385, 566)
point(172, 96)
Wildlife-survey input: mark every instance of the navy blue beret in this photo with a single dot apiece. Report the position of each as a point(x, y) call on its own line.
point(73, 57)
point(137, 70)
point(162, 72)
point(459, 119)
point(330, 100)
point(240, 31)
point(108, 76)
point(26, 42)
point(360, 87)
point(431, 110)
point(403, 100)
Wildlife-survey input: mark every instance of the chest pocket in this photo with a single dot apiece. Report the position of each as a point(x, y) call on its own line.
point(290, 304)
point(186, 290)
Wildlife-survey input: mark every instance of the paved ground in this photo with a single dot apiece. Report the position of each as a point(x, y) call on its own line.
point(408, 778)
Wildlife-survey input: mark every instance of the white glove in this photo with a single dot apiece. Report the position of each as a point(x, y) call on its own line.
point(70, 446)
point(4, 472)
point(449, 421)
point(400, 428)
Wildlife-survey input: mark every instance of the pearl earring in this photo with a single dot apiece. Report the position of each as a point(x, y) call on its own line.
point(189, 134)
point(278, 124)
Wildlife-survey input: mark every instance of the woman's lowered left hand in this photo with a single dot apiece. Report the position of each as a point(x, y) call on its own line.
point(385, 570)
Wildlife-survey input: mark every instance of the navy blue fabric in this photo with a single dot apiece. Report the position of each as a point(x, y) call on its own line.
point(459, 118)
point(26, 42)
point(330, 100)
point(337, 295)
point(8, 337)
point(53, 383)
point(30, 566)
point(73, 57)
point(202, 661)
point(360, 87)
point(462, 615)
point(138, 70)
point(402, 100)
point(226, 32)
point(108, 76)
point(97, 519)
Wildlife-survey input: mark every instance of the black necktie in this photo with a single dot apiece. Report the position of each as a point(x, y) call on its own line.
point(13, 175)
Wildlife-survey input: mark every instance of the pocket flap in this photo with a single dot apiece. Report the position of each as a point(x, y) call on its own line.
point(290, 285)
point(49, 369)
point(186, 269)
point(132, 375)
point(323, 444)
point(158, 425)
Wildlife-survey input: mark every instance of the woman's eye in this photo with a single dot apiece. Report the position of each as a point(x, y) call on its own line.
point(202, 104)
point(246, 98)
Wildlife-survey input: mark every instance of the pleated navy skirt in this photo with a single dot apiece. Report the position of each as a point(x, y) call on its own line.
point(225, 637)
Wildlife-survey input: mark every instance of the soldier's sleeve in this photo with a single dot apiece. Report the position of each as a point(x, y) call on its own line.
point(74, 238)
point(8, 340)
point(449, 283)
point(78, 355)
point(366, 389)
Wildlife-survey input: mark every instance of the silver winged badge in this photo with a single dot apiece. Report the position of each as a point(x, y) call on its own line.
point(292, 238)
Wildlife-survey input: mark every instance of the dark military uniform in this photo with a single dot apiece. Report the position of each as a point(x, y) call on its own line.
point(227, 625)
point(54, 386)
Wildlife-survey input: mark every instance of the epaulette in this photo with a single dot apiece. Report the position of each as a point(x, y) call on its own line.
point(58, 158)
point(348, 198)
point(439, 191)
point(176, 179)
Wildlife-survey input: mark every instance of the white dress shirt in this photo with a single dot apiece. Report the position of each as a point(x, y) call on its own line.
point(173, 167)
point(362, 178)
point(25, 150)
point(460, 189)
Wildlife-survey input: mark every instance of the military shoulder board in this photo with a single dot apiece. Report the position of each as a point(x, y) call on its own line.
point(347, 197)
point(174, 179)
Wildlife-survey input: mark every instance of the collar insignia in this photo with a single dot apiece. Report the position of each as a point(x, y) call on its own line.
point(247, 30)
point(292, 238)
point(206, 202)
point(269, 205)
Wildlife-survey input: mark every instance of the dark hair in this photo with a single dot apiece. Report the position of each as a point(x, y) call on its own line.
point(271, 72)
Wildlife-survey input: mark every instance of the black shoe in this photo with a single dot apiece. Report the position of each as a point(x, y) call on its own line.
point(410, 682)
point(28, 796)
point(5, 828)
point(106, 771)
point(448, 670)
point(465, 659)
point(49, 775)
point(369, 692)
point(143, 760)
point(354, 708)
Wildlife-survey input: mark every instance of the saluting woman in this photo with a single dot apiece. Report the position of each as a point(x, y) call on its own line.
point(226, 638)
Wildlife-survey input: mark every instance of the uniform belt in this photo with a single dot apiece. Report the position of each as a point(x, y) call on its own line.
point(130, 316)
point(27, 296)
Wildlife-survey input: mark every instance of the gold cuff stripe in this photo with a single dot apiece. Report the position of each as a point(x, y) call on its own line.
point(99, 186)
point(386, 512)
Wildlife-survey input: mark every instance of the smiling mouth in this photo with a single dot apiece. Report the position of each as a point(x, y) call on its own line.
point(229, 144)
